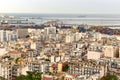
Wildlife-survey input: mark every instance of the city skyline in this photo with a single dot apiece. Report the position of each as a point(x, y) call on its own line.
point(59, 40)
point(61, 6)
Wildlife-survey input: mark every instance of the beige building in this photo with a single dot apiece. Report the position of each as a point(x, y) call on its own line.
point(22, 33)
point(95, 55)
point(59, 67)
point(111, 51)
point(69, 38)
point(119, 52)
point(56, 68)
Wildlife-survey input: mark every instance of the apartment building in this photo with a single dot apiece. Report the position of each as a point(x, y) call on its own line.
point(50, 30)
point(97, 55)
point(6, 35)
point(84, 68)
point(111, 51)
point(6, 68)
point(22, 33)
point(39, 67)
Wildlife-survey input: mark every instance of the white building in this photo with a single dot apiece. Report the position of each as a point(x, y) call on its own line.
point(97, 36)
point(38, 66)
point(8, 35)
point(50, 30)
point(69, 38)
point(54, 58)
point(6, 70)
point(3, 51)
point(78, 36)
point(24, 70)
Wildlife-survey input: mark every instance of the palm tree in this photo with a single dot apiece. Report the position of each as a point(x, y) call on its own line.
point(109, 77)
point(21, 77)
point(65, 68)
point(33, 75)
point(30, 76)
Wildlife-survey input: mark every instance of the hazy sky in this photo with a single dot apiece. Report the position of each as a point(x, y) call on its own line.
point(60, 6)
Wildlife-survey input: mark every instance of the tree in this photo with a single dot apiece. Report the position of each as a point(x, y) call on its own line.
point(21, 77)
point(47, 60)
point(1, 78)
point(16, 61)
point(65, 68)
point(33, 75)
point(27, 36)
point(30, 76)
point(109, 77)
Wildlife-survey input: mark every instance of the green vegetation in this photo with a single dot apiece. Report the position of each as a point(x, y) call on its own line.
point(27, 36)
point(22, 77)
point(65, 68)
point(109, 77)
point(47, 60)
point(1, 78)
point(30, 76)
point(16, 61)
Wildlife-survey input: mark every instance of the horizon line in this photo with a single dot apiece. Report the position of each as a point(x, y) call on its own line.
point(62, 13)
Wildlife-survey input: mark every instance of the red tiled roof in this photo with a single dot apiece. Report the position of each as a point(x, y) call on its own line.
point(54, 65)
point(25, 39)
point(29, 49)
point(13, 52)
point(73, 75)
point(48, 78)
